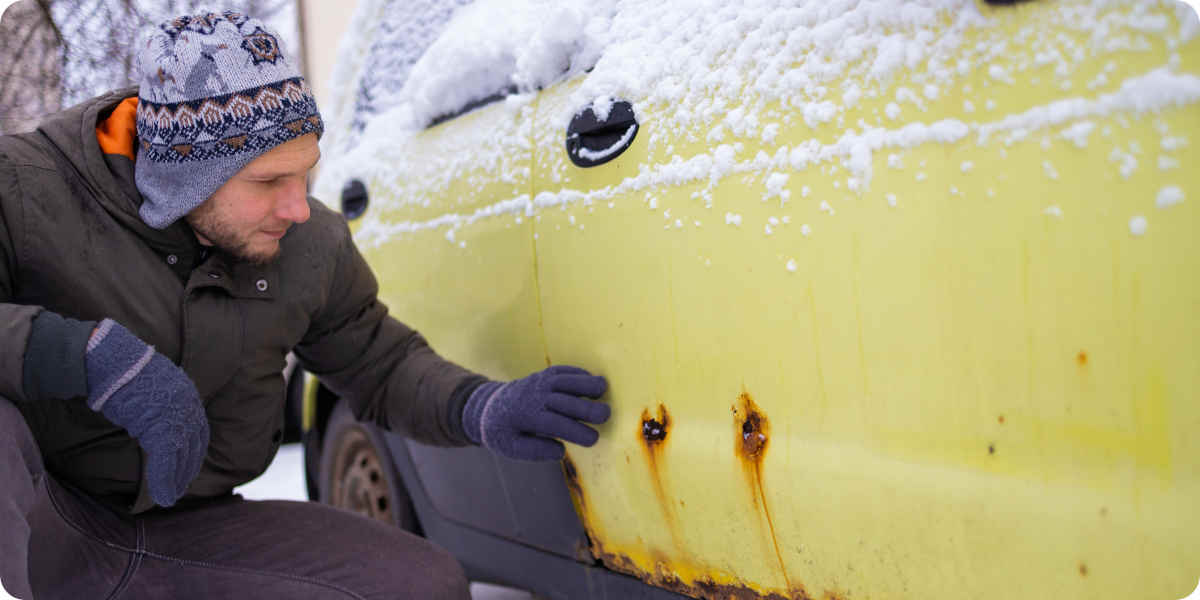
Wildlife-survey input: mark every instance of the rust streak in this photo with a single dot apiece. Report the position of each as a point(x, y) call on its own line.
point(752, 435)
point(653, 431)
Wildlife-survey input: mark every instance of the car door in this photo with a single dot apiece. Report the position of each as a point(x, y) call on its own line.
point(876, 293)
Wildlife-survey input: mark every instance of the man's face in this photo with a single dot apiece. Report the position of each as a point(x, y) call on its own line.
point(248, 215)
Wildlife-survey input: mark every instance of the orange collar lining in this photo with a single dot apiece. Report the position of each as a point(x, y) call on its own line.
point(118, 133)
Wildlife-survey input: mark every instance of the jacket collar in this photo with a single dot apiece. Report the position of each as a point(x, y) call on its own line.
point(73, 134)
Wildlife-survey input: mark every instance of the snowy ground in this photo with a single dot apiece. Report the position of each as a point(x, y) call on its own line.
point(284, 480)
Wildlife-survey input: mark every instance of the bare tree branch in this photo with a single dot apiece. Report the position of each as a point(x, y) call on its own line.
point(71, 50)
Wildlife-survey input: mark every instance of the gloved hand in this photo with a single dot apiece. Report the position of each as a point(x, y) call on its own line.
point(518, 418)
point(141, 390)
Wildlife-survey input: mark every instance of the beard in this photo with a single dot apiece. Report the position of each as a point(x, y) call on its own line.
point(225, 237)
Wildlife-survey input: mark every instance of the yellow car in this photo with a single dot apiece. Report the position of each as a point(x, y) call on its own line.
point(895, 299)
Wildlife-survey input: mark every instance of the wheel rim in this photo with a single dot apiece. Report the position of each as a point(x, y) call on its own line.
point(359, 483)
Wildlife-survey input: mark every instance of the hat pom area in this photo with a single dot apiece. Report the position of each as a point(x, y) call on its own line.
point(216, 91)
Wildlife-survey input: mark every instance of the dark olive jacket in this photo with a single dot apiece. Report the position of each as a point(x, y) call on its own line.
point(71, 242)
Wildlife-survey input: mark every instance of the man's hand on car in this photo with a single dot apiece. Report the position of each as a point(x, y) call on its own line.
point(519, 419)
point(143, 391)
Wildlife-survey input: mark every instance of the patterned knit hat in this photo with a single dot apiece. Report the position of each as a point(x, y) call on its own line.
point(216, 92)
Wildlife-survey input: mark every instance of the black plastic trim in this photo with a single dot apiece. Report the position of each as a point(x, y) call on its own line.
point(493, 559)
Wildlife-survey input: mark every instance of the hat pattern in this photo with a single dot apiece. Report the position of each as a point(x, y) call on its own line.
point(216, 91)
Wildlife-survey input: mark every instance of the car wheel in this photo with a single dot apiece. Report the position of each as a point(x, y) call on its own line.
point(357, 472)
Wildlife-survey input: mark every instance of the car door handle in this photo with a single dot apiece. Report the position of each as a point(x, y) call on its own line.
point(593, 141)
point(354, 199)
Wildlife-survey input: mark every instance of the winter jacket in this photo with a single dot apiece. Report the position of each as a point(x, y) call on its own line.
point(71, 241)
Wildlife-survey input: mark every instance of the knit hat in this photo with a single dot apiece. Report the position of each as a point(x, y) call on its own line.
point(216, 92)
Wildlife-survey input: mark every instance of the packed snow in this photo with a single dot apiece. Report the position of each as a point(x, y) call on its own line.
point(721, 68)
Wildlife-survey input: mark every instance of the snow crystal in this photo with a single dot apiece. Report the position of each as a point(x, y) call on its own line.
point(931, 91)
point(966, 166)
point(767, 230)
point(1000, 74)
point(891, 200)
point(968, 106)
point(733, 219)
point(921, 176)
point(775, 185)
point(894, 161)
point(892, 110)
point(825, 207)
point(805, 230)
point(1053, 211)
point(1127, 161)
point(1049, 170)
point(791, 265)
point(1173, 143)
point(1079, 132)
point(770, 132)
point(1137, 225)
point(1166, 163)
point(1169, 196)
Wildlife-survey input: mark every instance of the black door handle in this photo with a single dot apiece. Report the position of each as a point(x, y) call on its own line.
point(593, 141)
point(354, 199)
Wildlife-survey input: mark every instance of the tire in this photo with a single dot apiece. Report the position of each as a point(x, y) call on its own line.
point(357, 473)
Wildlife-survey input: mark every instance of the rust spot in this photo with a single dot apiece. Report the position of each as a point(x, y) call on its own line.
point(1083, 570)
point(1081, 358)
point(1104, 511)
point(991, 448)
point(1000, 419)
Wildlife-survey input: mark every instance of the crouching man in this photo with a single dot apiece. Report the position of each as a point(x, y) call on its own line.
point(158, 259)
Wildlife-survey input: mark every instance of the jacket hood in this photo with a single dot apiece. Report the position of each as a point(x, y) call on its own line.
point(72, 133)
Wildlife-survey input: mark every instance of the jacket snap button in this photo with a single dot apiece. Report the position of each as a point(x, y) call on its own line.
point(261, 284)
point(172, 259)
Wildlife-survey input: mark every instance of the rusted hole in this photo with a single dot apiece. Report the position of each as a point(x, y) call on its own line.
point(991, 448)
point(1081, 358)
point(754, 437)
point(652, 430)
point(1000, 419)
point(1083, 570)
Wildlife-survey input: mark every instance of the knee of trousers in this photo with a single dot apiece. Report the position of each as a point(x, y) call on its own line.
point(442, 577)
point(17, 447)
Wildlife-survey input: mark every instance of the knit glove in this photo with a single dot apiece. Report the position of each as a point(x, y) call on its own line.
point(518, 419)
point(143, 391)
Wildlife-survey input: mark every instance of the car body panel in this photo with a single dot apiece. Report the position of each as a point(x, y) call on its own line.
point(965, 391)
point(960, 368)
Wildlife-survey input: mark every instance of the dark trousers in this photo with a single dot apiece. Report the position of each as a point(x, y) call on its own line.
point(56, 542)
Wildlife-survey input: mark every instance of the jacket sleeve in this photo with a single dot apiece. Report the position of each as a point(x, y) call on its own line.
point(16, 321)
point(386, 371)
point(41, 353)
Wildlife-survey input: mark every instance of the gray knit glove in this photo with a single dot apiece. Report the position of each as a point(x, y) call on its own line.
point(155, 401)
point(518, 419)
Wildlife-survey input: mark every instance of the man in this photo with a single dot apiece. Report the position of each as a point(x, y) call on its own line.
point(158, 260)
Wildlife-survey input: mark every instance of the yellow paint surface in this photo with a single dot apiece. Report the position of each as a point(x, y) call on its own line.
point(968, 395)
